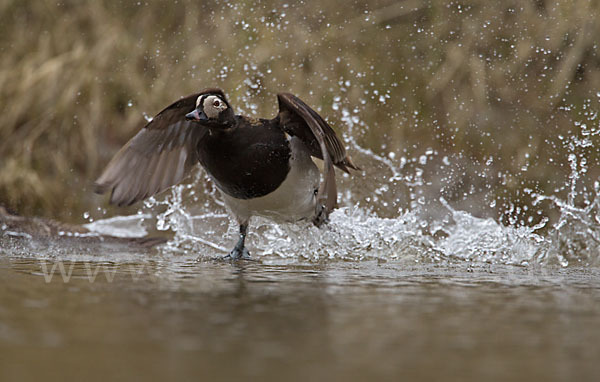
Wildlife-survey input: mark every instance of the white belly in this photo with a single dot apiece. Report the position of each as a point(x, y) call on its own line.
point(293, 200)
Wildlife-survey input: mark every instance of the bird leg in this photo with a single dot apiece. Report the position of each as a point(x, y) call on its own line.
point(321, 215)
point(240, 252)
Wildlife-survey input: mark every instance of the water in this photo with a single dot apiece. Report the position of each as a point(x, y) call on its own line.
point(415, 295)
point(180, 319)
point(401, 284)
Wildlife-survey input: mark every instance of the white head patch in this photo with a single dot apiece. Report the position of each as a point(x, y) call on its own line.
point(213, 106)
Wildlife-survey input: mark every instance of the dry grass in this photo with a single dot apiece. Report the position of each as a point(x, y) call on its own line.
point(478, 79)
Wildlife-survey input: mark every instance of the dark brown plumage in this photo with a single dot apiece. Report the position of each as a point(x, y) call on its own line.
point(248, 159)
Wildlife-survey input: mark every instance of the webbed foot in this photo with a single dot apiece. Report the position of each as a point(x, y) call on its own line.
point(237, 254)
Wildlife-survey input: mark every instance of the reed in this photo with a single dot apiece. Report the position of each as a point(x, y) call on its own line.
point(471, 79)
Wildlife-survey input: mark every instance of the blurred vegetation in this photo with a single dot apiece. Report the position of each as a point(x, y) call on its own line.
point(490, 83)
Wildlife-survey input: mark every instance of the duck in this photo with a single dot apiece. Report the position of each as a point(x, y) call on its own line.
point(261, 167)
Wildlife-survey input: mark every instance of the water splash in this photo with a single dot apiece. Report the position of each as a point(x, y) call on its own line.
point(121, 226)
point(357, 231)
point(352, 234)
point(575, 237)
point(355, 234)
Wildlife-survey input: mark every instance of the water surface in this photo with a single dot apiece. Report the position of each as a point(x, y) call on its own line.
point(180, 319)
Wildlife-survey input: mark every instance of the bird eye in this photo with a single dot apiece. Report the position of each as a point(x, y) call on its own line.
point(216, 103)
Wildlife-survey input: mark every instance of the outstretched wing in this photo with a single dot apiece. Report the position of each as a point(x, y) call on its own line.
point(160, 155)
point(298, 119)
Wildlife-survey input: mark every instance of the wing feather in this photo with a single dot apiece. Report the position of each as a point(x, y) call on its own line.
point(298, 119)
point(160, 155)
